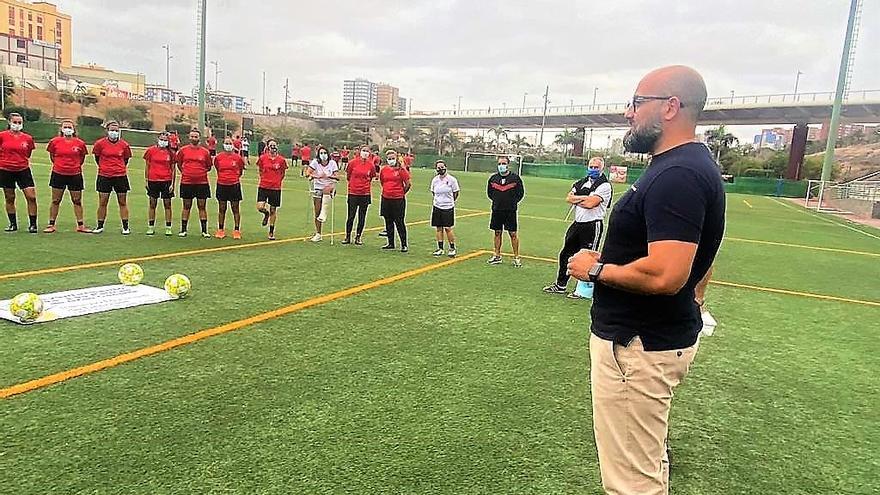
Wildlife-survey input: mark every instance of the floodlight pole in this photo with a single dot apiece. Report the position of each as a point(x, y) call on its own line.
point(544, 116)
point(202, 38)
point(828, 163)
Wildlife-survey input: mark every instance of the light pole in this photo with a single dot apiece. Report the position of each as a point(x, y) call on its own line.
point(217, 72)
point(263, 110)
point(797, 81)
point(459, 105)
point(732, 95)
point(23, 85)
point(168, 58)
point(592, 107)
point(524, 101)
point(544, 116)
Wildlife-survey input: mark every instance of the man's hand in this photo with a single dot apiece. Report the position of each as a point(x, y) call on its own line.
point(579, 265)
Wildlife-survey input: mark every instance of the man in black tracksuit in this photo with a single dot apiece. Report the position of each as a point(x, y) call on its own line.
point(505, 189)
point(590, 198)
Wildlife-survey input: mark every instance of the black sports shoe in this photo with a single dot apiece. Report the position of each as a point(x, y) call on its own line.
point(11, 228)
point(265, 218)
point(347, 240)
point(383, 234)
point(554, 289)
point(388, 247)
point(404, 249)
point(358, 241)
point(32, 229)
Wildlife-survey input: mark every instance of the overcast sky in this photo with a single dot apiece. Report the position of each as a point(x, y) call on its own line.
point(489, 52)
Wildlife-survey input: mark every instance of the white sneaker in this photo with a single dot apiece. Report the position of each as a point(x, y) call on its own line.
point(182, 234)
point(126, 231)
point(438, 252)
point(451, 253)
point(98, 230)
point(517, 263)
point(317, 238)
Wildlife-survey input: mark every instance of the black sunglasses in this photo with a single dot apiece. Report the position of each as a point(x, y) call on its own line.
point(639, 99)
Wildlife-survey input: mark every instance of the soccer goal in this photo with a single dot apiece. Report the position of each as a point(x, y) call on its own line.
point(476, 161)
point(860, 197)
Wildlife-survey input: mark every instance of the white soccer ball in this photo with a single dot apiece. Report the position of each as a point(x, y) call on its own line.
point(131, 274)
point(178, 286)
point(26, 306)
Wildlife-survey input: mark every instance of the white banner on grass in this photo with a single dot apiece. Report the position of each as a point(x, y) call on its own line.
point(79, 302)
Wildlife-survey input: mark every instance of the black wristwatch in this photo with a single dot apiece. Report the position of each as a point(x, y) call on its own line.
point(595, 271)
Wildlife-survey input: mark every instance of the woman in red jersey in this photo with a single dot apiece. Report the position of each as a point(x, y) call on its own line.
point(360, 174)
point(229, 165)
point(194, 162)
point(67, 153)
point(395, 181)
point(159, 173)
point(112, 154)
point(15, 169)
point(272, 168)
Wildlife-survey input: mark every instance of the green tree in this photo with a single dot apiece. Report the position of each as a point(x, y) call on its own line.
point(386, 121)
point(126, 115)
point(499, 138)
point(8, 85)
point(566, 140)
point(720, 141)
point(519, 143)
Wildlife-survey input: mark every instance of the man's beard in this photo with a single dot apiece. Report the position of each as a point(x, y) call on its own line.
point(642, 140)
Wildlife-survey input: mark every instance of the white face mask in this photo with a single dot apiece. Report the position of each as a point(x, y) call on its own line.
point(16, 126)
point(227, 147)
point(365, 154)
point(67, 131)
point(323, 156)
point(113, 134)
point(162, 144)
point(392, 161)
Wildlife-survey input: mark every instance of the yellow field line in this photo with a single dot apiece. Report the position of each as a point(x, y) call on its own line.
point(99, 264)
point(55, 378)
point(802, 246)
point(753, 287)
point(748, 204)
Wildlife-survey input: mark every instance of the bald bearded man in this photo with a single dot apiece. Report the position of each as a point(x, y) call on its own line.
point(662, 239)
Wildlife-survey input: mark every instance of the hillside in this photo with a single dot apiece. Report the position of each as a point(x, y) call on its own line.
point(856, 160)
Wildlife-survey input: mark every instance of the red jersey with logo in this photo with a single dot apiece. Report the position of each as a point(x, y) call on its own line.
point(360, 175)
point(212, 143)
point(305, 153)
point(272, 171)
point(15, 151)
point(159, 163)
point(344, 153)
point(392, 179)
point(194, 163)
point(68, 155)
point(229, 166)
point(173, 141)
point(295, 152)
point(236, 144)
point(112, 157)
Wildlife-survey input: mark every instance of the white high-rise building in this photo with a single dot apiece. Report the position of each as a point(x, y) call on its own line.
point(359, 96)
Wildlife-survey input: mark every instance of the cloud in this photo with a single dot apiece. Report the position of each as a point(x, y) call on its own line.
point(489, 52)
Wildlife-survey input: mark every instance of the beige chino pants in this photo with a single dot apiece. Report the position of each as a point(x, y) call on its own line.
point(632, 393)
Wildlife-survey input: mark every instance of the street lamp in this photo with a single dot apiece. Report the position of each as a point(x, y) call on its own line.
point(524, 101)
point(217, 72)
point(459, 105)
point(168, 58)
point(797, 81)
point(593, 108)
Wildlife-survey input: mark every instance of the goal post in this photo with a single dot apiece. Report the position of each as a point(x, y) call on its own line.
point(477, 161)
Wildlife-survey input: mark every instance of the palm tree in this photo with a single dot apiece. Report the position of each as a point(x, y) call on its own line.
point(439, 136)
point(385, 122)
point(720, 141)
point(499, 136)
point(475, 143)
point(565, 140)
point(519, 142)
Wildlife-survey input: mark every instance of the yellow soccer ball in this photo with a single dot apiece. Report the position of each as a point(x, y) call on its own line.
point(26, 307)
point(178, 286)
point(131, 274)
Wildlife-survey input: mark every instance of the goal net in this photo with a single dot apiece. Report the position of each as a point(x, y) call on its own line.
point(475, 161)
point(858, 198)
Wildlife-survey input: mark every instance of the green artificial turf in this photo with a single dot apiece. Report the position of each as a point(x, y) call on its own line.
point(465, 379)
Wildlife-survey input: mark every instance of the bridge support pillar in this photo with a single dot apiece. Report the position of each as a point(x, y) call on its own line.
point(579, 144)
point(796, 151)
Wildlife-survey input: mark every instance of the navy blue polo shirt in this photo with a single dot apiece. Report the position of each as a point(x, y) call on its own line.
point(680, 197)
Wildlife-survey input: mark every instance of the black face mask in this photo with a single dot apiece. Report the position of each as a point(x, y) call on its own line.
point(441, 171)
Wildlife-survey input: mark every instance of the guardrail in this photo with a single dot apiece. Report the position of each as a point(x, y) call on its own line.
point(815, 98)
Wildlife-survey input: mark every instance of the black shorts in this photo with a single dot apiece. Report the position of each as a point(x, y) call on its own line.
point(271, 196)
point(106, 185)
point(304, 162)
point(344, 159)
point(195, 191)
point(392, 208)
point(359, 200)
point(442, 218)
point(73, 183)
point(503, 220)
point(23, 178)
point(229, 193)
point(244, 153)
point(213, 152)
point(160, 189)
